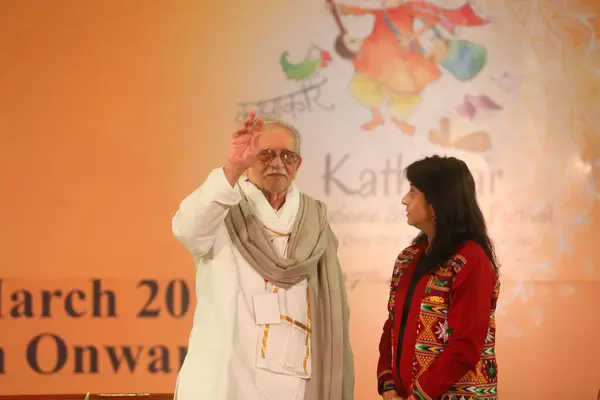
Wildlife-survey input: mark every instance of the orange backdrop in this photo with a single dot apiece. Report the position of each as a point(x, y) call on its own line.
point(113, 111)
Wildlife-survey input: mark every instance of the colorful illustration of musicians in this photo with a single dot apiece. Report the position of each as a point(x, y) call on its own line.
point(392, 64)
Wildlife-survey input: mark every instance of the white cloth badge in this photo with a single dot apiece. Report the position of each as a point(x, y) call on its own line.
point(266, 309)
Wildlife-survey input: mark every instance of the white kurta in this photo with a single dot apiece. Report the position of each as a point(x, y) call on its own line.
point(229, 356)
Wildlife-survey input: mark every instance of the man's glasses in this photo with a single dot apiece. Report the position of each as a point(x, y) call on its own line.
point(288, 157)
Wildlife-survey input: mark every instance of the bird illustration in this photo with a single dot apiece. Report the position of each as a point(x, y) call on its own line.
point(308, 69)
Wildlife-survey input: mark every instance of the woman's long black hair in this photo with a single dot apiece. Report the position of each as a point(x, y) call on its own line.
point(449, 188)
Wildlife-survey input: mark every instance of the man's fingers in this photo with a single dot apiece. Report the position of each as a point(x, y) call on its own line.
point(255, 137)
point(240, 131)
point(250, 125)
point(258, 123)
point(244, 130)
point(250, 119)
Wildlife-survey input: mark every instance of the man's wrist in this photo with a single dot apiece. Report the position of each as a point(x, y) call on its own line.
point(232, 173)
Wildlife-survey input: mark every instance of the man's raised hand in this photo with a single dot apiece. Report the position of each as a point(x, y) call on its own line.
point(244, 147)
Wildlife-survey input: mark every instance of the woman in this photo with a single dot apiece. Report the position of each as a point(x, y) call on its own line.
point(439, 339)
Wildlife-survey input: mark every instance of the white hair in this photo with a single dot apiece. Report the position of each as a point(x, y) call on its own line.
point(273, 121)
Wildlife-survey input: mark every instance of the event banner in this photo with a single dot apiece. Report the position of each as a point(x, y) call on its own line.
point(120, 315)
point(120, 111)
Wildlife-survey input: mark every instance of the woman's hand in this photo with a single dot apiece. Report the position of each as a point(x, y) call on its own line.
point(391, 395)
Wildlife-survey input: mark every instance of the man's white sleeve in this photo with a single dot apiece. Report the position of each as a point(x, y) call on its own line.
point(200, 214)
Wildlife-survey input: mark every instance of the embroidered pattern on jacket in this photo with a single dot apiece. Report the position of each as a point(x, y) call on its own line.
point(434, 331)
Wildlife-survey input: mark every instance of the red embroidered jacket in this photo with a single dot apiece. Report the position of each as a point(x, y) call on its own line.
point(447, 351)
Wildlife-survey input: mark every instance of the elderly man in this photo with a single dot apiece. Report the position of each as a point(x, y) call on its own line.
point(271, 319)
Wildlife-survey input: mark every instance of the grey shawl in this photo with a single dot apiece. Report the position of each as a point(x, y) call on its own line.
point(313, 256)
